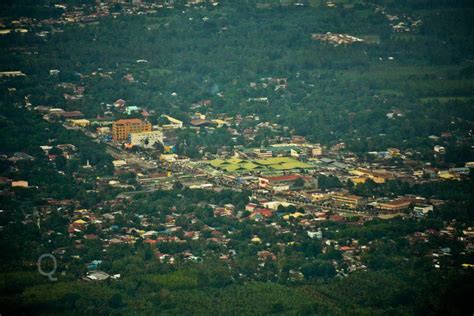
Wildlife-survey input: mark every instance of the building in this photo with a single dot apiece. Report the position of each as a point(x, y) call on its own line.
point(284, 182)
point(174, 123)
point(69, 115)
point(146, 139)
point(120, 103)
point(79, 123)
point(122, 128)
point(422, 210)
point(316, 151)
point(439, 149)
point(119, 163)
point(298, 139)
point(395, 205)
point(394, 152)
point(19, 184)
point(347, 200)
point(11, 74)
point(132, 109)
point(200, 122)
point(379, 176)
point(260, 153)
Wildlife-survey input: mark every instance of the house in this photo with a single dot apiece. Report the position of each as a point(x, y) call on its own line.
point(120, 103)
point(266, 255)
point(298, 139)
point(69, 115)
point(11, 74)
point(20, 156)
point(256, 240)
point(394, 152)
point(317, 234)
point(292, 215)
point(439, 149)
point(4, 180)
point(200, 123)
point(119, 163)
point(274, 205)
point(346, 248)
point(337, 218)
point(19, 184)
point(316, 150)
point(260, 214)
point(97, 276)
point(132, 109)
point(250, 207)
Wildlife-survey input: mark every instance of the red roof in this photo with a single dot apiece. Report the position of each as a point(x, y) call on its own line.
point(290, 177)
point(91, 236)
point(151, 241)
point(120, 102)
point(198, 122)
point(189, 234)
point(336, 218)
point(262, 211)
point(5, 180)
point(346, 248)
point(71, 114)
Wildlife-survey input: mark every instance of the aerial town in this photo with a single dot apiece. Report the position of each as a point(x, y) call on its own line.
point(106, 179)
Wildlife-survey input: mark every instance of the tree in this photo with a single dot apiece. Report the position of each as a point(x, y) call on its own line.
point(299, 183)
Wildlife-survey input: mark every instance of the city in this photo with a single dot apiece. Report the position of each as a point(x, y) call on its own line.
point(148, 183)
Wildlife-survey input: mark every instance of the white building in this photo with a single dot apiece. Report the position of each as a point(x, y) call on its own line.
point(175, 123)
point(423, 209)
point(439, 149)
point(146, 139)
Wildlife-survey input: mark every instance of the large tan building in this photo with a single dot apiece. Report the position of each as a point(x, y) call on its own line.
point(395, 205)
point(347, 200)
point(122, 128)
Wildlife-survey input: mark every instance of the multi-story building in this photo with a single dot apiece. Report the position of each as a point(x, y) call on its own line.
point(146, 139)
point(350, 201)
point(285, 182)
point(395, 205)
point(122, 128)
point(316, 151)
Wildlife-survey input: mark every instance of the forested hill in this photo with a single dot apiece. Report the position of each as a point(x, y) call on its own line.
point(416, 59)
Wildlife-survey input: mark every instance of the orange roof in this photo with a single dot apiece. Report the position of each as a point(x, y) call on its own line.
point(262, 211)
point(398, 202)
point(151, 241)
point(129, 121)
point(346, 248)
